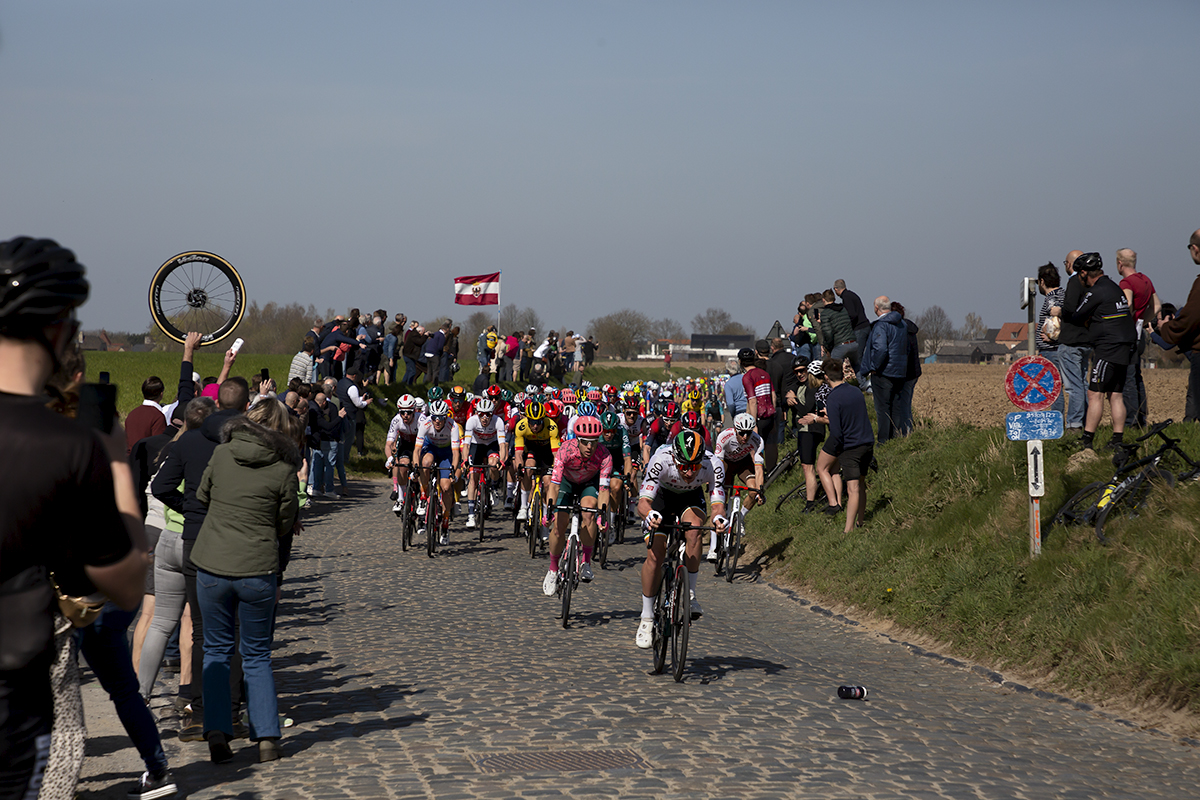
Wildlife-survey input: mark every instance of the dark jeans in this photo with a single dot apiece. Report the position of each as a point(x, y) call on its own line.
point(26, 714)
point(887, 406)
point(1134, 391)
point(194, 692)
point(766, 429)
point(106, 647)
point(526, 367)
point(861, 335)
point(432, 368)
point(904, 425)
point(251, 601)
point(1191, 408)
point(411, 371)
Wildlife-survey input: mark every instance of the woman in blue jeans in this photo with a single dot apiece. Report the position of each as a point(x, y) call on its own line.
point(251, 489)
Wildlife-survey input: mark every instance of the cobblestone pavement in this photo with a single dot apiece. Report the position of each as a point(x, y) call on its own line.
point(411, 677)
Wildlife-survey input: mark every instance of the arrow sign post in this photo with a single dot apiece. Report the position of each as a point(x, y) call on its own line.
point(1032, 384)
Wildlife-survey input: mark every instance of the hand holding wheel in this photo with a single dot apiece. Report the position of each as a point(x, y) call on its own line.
point(197, 291)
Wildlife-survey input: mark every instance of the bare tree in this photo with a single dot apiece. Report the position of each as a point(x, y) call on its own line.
point(718, 321)
point(973, 328)
point(519, 319)
point(471, 327)
point(667, 329)
point(935, 329)
point(623, 333)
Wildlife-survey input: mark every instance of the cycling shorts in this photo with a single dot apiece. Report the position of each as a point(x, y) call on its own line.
point(541, 453)
point(739, 467)
point(809, 444)
point(672, 505)
point(1106, 376)
point(856, 461)
point(480, 452)
point(571, 493)
point(404, 449)
point(443, 459)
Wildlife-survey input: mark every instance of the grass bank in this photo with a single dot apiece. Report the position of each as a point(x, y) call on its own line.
point(945, 553)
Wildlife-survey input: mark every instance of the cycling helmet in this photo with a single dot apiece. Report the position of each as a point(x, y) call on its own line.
point(691, 420)
point(743, 422)
point(609, 421)
point(587, 409)
point(587, 428)
point(671, 411)
point(594, 396)
point(40, 283)
point(746, 356)
point(1089, 262)
point(687, 448)
point(553, 408)
point(530, 389)
point(419, 402)
point(632, 402)
point(485, 406)
point(535, 412)
point(493, 391)
point(799, 362)
point(436, 393)
point(694, 395)
point(568, 396)
point(815, 368)
point(406, 402)
point(457, 395)
point(507, 395)
point(438, 409)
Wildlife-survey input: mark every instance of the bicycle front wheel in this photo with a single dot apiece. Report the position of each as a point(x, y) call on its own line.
point(568, 567)
point(662, 623)
point(737, 529)
point(681, 623)
point(197, 291)
point(433, 521)
point(1081, 509)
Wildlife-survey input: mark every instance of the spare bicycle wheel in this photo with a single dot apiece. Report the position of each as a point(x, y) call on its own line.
point(197, 291)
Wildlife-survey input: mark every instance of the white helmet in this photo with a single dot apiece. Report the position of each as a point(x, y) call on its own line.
point(419, 402)
point(743, 422)
point(406, 402)
point(485, 406)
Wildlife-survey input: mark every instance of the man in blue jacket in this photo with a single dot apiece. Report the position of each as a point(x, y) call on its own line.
point(886, 358)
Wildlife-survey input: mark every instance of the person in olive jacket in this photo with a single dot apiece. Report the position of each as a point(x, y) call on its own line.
point(252, 492)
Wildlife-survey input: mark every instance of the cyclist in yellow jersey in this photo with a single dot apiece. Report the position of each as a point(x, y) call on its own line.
point(535, 443)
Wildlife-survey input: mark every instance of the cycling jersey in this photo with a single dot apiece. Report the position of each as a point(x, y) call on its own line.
point(729, 449)
point(405, 431)
point(1110, 324)
point(634, 431)
point(757, 384)
point(430, 436)
point(476, 431)
point(569, 464)
point(547, 435)
point(663, 474)
point(618, 446)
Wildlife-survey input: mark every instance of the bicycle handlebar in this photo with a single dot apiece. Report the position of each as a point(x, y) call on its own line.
point(1156, 429)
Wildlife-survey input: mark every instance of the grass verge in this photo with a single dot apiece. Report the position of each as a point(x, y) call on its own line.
point(945, 553)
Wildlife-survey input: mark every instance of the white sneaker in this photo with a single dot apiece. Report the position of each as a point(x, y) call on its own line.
point(523, 514)
point(470, 522)
point(585, 573)
point(310, 491)
point(444, 540)
point(697, 611)
point(712, 556)
point(550, 584)
point(421, 507)
point(645, 633)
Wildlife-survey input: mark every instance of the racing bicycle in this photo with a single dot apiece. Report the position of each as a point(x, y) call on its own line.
point(571, 560)
point(729, 543)
point(673, 602)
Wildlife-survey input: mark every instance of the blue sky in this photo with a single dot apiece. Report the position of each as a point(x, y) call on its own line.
point(662, 156)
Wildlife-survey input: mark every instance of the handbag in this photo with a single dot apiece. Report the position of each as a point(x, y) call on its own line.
point(81, 611)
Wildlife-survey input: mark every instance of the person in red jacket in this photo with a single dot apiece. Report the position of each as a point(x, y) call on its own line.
point(148, 418)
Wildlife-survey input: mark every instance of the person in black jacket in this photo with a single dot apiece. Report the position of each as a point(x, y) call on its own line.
point(1074, 348)
point(904, 422)
point(325, 431)
point(1105, 310)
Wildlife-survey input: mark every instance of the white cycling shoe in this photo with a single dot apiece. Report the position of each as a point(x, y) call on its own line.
point(523, 514)
point(645, 633)
point(550, 584)
point(470, 522)
point(421, 508)
point(712, 556)
point(697, 611)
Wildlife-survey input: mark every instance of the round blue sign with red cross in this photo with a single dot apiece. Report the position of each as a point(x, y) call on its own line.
point(1033, 383)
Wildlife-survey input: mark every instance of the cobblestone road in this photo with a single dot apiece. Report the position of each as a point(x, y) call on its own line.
point(411, 677)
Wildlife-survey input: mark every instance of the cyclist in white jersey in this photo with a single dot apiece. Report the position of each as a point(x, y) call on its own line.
point(740, 450)
point(437, 446)
point(483, 443)
point(673, 492)
point(401, 442)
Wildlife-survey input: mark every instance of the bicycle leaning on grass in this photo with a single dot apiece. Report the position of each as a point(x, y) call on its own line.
point(1129, 488)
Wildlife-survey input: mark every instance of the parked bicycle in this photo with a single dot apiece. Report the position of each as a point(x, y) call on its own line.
point(1129, 488)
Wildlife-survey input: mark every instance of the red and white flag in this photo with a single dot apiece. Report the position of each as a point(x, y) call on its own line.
point(477, 290)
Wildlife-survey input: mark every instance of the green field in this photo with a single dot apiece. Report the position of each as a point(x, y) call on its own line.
point(945, 551)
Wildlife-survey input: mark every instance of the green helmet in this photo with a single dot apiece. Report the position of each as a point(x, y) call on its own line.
point(435, 394)
point(506, 395)
point(609, 420)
